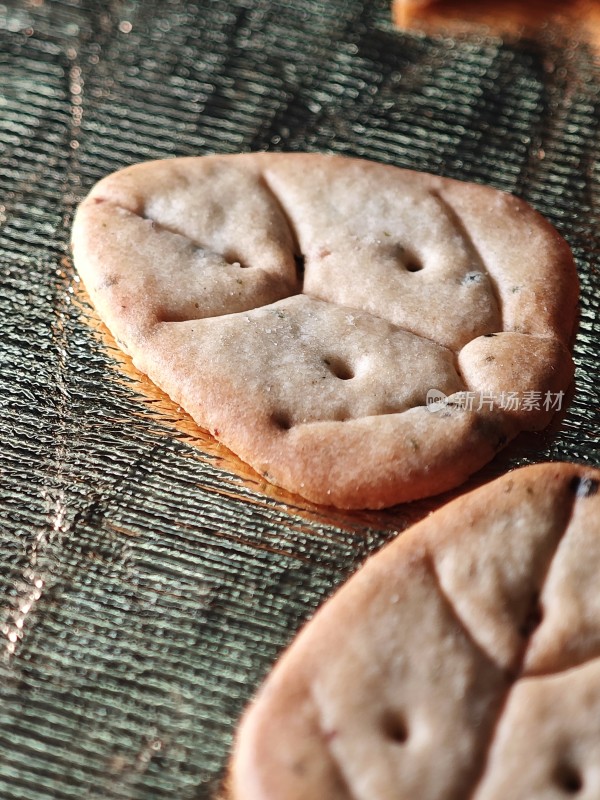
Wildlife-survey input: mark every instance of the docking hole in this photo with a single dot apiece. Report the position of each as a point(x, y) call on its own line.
point(413, 264)
point(233, 261)
point(299, 266)
point(339, 368)
point(568, 779)
point(533, 617)
point(281, 420)
point(395, 727)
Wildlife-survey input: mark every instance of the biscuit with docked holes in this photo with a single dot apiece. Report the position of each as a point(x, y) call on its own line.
point(304, 309)
point(461, 661)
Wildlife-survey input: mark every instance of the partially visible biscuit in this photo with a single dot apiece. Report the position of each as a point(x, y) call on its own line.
point(575, 19)
point(303, 308)
point(462, 661)
point(403, 10)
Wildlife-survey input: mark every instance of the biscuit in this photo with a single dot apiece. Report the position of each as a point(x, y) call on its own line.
point(303, 307)
point(576, 19)
point(402, 10)
point(462, 661)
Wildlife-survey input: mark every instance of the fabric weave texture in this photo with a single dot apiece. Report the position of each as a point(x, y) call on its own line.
point(147, 580)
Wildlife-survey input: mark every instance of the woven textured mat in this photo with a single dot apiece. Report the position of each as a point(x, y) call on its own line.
point(147, 579)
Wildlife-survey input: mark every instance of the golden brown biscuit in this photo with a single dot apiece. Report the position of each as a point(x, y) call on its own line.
point(462, 661)
point(576, 19)
point(404, 9)
point(303, 308)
